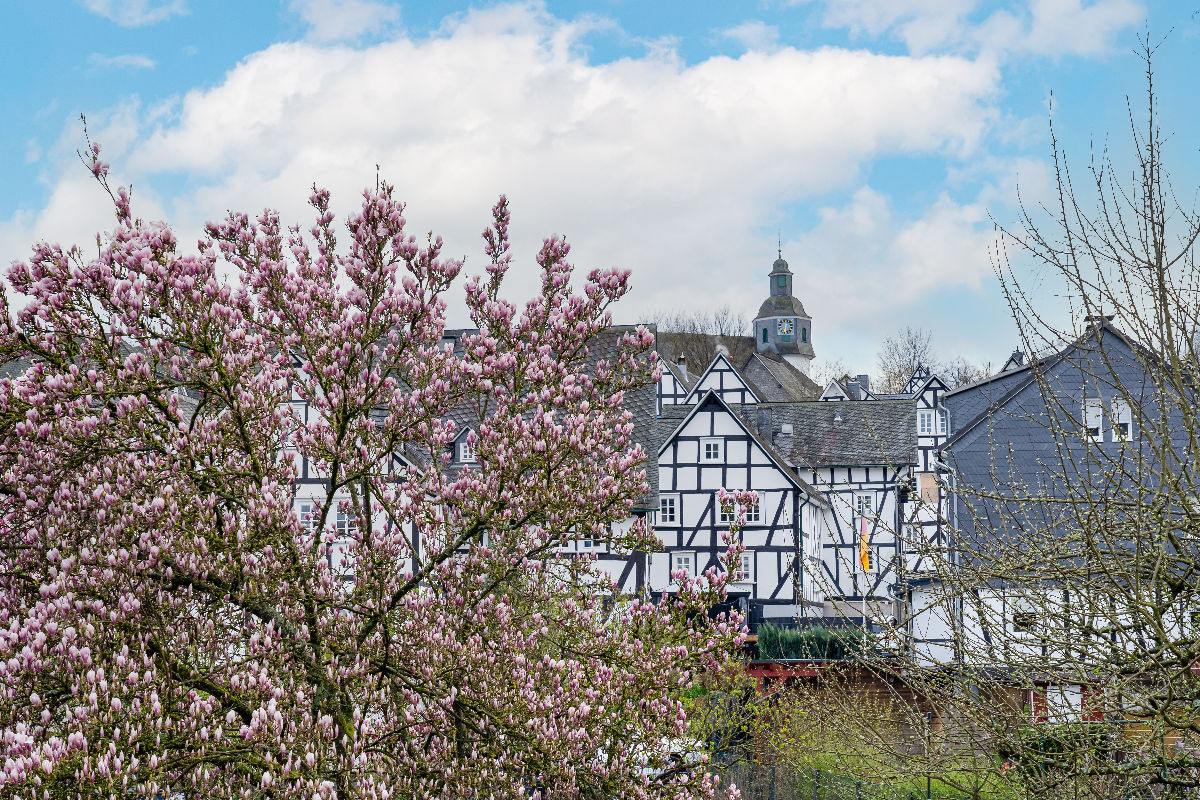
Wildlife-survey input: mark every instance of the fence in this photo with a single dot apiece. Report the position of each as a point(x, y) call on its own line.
point(777, 782)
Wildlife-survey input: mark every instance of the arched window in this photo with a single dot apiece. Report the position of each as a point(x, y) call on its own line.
point(764, 334)
point(804, 334)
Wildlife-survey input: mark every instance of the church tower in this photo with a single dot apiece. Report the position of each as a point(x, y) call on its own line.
point(783, 326)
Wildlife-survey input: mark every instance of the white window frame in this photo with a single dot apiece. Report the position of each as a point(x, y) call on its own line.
point(925, 425)
point(1122, 417)
point(346, 523)
point(308, 515)
point(864, 506)
point(942, 424)
point(719, 456)
point(745, 568)
point(1093, 412)
point(678, 556)
point(676, 507)
point(724, 517)
point(754, 512)
point(466, 453)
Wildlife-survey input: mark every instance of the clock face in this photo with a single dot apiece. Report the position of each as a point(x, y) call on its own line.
point(786, 326)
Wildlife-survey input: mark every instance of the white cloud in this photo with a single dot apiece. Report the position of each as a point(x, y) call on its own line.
point(864, 271)
point(754, 34)
point(676, 171)
point(1038, 27)
point(124, 61)
point(341, 20)
point(135, 13)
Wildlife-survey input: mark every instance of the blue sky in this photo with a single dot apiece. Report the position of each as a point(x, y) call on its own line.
point(879, 138)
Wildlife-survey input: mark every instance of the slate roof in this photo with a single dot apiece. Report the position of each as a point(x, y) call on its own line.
point(775, 380)
point(15, 368)
point(782, 305)
point(869, 433)
point(687, 381)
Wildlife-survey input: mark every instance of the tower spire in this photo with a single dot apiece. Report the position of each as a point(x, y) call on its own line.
point(779, 242)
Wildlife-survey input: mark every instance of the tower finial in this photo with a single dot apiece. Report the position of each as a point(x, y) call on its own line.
point(779, 242)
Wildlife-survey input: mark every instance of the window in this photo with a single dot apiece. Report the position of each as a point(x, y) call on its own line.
point(683, 562)
point(1093, 419)
point(1121, 420)
point(668, 509)
point(781, 282)
point(864, 505)
point(941, 416)
point(925, 423)
point(754, 512)
point(725, 515)
point(466, 453)
point(710, 450)
point(804, 334)
point(1024, 621)
point(764, 334)
point(745, 570)
point(308, 516)
point(346, 523)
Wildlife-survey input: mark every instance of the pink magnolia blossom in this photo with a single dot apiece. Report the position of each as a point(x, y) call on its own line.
point(169, 622)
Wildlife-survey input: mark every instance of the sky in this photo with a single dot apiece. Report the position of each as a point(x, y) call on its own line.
point(879, 140)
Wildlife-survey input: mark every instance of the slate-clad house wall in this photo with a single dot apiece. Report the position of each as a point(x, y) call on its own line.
point(1032, 434)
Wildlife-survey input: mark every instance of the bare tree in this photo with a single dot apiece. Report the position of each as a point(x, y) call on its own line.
point(900, 355)
point(1053, 643)
point(1070, 596)
point(699, 335)
point(825, 370)
point(960, 372)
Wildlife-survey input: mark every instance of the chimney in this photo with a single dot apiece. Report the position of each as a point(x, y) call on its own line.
point(681, 362)
point(854, 389)
point(764, 423)
point(865, 382)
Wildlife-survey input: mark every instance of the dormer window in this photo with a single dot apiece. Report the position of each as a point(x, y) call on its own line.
point(466, 453)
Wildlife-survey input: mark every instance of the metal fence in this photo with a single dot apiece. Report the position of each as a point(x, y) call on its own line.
point(777, 782)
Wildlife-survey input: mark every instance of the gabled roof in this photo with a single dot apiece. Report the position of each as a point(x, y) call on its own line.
point(681, 415)
point(720, 358)
point(1030, 371)
point(687, 381)
point(773, 379)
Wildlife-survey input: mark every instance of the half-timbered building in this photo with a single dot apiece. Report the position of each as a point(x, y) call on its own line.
point(711, 447)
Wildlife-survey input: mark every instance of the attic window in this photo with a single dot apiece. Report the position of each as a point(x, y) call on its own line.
point(711, 450)
point(466, 453)
point(1093, 419)
point(1121, 420)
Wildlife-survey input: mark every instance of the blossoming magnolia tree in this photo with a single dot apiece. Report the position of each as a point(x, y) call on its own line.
point(170, 625)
